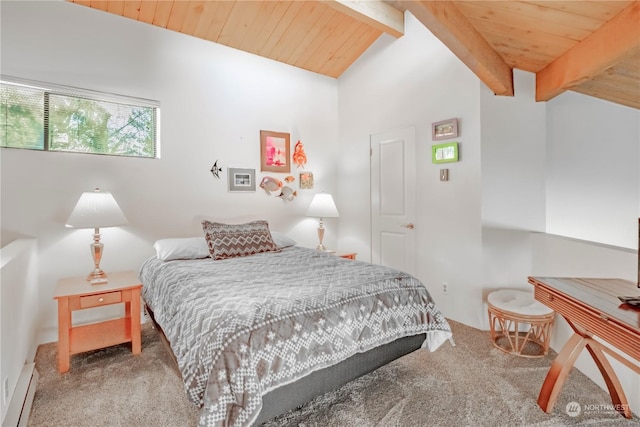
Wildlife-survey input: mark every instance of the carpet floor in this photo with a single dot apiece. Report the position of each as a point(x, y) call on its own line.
point(471, 384)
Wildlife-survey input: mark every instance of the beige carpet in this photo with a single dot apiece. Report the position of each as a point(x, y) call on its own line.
point(471, 384)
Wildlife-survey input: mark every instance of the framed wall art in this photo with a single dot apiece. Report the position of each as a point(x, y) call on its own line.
point(444, 153)
point(242, 179)
point(274, 152)
point(306, 180)
point(446, 129)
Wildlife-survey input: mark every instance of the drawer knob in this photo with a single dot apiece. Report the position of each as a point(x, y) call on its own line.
point(100, 299)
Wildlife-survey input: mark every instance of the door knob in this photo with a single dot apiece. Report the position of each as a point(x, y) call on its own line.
point(410, 226)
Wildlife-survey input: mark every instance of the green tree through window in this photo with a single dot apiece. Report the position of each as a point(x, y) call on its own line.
point(75, 123)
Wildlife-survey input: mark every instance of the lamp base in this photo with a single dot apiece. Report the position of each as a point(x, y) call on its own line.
point(321, 248)
point(97, 277)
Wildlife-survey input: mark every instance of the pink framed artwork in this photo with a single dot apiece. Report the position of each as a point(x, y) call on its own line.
point(274, 152)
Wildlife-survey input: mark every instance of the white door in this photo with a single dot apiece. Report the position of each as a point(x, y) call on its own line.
point(393, 189)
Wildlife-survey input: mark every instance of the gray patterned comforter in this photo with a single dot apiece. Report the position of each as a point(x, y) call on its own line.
point(244, 326)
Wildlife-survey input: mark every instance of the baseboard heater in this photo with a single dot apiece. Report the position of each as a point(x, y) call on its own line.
point(20, 405)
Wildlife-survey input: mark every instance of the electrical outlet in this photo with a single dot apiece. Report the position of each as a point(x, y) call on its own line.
point(5, 391)
point(445, 288)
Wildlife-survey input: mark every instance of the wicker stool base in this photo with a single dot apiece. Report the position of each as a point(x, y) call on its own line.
point(507, 336)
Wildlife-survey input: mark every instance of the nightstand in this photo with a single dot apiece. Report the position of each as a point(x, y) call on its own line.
point(76, 293)
point(350, 255)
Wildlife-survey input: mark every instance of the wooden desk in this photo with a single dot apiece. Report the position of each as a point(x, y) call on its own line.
point(591, 308)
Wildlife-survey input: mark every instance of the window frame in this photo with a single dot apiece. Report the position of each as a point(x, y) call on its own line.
point(92, 95)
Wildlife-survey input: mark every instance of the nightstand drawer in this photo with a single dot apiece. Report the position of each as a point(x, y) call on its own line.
point(100, 299)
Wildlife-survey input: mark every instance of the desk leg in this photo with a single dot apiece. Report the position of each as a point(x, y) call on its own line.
point(559, 371)
point(64, 327)
point(616, 391)
point(133, 312)
point(563, 363)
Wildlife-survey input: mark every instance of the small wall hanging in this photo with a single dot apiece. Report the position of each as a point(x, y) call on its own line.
point(306, 180)
point(444, 153)
point(299, 156)
point(271, 185)
point(288, 194)
point(446, 129)
point(242, 179)
point(215, 170)
point(274, 152)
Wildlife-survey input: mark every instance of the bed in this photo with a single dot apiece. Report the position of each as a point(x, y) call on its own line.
point(259, 334)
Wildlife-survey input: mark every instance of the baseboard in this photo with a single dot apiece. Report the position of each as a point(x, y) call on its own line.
point(20, 405)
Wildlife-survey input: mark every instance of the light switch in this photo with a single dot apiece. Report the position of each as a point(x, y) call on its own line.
point(444, 174)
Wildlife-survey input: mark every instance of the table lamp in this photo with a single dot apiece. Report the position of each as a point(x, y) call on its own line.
point(322, 206)
point(96, 209)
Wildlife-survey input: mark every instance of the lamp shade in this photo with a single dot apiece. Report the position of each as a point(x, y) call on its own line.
point(322, 206)
point(96, 209)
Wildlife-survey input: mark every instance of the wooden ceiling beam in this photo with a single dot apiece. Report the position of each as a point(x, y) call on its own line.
point(449, 25)
point(374, 13)
point(615, 41)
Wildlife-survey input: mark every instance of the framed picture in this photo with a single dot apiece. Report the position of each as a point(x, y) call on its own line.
point(306, 180)
point(274, 152)
point(445, 129)
point(242, 179)
point(444, 153)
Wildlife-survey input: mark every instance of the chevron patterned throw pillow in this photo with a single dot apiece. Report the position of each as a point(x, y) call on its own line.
point(236, 240)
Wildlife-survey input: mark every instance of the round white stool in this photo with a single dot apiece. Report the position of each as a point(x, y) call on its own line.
point(519, 324)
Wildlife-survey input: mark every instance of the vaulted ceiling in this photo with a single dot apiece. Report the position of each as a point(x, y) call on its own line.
point(591, 47)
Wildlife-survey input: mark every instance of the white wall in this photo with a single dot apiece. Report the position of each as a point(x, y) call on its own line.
point(513, 190)
point(414, 81)
point(593, 170)
point(18, 327)
point(214, 101)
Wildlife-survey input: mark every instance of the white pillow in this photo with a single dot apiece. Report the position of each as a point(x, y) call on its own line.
point(282, 240)
point(181, 248)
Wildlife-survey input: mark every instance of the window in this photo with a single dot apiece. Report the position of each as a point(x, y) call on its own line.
point(67, 119)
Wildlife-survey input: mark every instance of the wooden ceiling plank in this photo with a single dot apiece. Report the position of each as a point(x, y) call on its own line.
point(491, 12)
point(147, 11)
point(608, 45)
point(178, 13)
point(277, 36)
point(304, 21)
point(270, 25)
point(343, 31)
point(614, 86)
point(163, 12)
point(131, 9)
point(320, 40)
point(604, 10)
point(545, 13)
point(351, 50)
point(116, 7)
point(449, 25)
point(313, 37)
point(99, 4)
point(193, 16)
point(208, 13)
point(374, 13)
point(251, 39)
point(223, 10)
point(241, 18)
point(527, 38)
